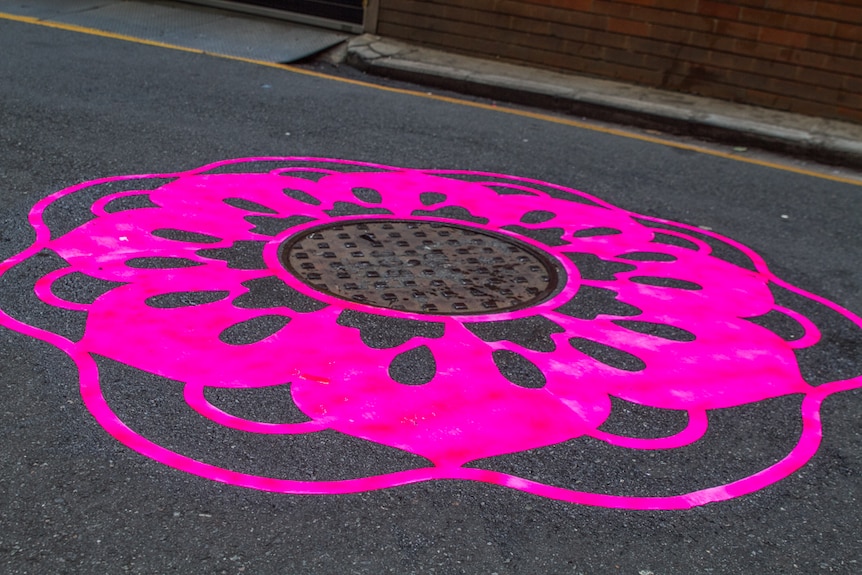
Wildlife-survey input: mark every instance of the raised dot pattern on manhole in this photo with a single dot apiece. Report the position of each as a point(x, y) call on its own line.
point(420, 266)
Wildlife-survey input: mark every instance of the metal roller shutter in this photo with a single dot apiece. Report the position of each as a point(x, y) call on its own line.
point(345, 15)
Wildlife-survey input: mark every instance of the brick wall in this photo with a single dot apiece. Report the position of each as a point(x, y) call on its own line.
point(803, 56)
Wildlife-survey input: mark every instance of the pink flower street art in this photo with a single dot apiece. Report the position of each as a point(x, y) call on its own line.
point(455, 317)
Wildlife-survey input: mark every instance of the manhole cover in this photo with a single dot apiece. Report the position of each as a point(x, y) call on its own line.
point(421, 266)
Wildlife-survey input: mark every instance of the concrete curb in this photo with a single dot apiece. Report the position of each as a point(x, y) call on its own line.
point(828, 141)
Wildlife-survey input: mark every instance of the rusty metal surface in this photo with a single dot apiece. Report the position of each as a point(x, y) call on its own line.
point(421, 266)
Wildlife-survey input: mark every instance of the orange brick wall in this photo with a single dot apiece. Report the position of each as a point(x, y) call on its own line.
point(804, 56)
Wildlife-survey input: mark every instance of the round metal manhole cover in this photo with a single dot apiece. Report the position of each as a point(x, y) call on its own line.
point(421, 266)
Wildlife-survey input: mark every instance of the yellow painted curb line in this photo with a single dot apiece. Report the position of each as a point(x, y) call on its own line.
point(450, 100)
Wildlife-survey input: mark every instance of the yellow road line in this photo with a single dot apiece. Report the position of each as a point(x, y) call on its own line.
point(450, 100)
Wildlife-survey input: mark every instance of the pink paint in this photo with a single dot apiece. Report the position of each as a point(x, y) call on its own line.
point(469, 410)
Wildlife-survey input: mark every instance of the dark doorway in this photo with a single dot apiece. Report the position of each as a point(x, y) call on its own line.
point(349, 11)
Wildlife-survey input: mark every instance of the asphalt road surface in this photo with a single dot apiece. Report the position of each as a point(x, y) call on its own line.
point(127, 478)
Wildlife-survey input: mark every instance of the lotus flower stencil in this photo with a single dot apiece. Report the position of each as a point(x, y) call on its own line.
point(457, 316)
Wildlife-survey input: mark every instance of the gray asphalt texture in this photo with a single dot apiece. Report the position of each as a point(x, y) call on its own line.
point(75, 107)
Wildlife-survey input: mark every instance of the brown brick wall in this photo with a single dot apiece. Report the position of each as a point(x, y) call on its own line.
point(804, 56)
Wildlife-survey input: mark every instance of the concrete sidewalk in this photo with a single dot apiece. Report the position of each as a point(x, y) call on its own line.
point(819, 139)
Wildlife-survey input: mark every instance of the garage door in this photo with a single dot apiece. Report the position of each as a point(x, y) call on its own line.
point(341, 10)
point(342, 14)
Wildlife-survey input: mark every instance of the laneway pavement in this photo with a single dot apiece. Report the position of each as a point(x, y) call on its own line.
point(239, 338)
